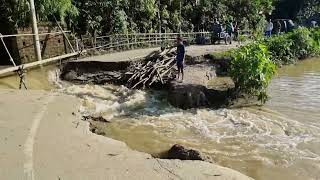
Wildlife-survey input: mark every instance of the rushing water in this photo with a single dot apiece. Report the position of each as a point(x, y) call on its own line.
point(280, 140)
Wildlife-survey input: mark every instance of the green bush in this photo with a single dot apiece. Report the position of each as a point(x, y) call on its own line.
point(252, 70)
point(303, 44)
point(315, 34)
point(299, 44)
point(243, 38)
point(280, 48)
point(253, 65)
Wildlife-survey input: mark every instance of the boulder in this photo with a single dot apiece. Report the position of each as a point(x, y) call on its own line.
point(186, 96)
point(179, 152)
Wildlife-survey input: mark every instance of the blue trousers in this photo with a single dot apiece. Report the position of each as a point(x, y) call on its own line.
point(268, 33)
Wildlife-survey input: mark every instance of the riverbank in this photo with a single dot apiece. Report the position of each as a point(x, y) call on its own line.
point(48, 140)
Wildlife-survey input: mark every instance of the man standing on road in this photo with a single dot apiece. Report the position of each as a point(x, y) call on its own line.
point(269, 28)
point(180, 57)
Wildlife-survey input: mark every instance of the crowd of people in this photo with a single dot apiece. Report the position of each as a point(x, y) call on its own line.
point(277, 26)
point(280, 26)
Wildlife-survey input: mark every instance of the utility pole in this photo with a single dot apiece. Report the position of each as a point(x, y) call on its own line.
point(35, 32)
point(159, 17)
point(180, 18)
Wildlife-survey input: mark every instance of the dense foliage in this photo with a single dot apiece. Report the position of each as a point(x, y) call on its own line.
point(253, 65)
point(15, 13)
point(309, 11)
point(303, 43)
point(122, 16)
point(302, 11)
point(280, 48)
point(315, 34)
point(288, 48)
point(252, 70)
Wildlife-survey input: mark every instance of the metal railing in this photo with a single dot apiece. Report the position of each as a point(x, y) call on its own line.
point(138, 40)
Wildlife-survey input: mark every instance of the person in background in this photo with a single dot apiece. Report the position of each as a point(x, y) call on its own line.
point(269, 28)
point(216, 29)
point(229, 28)
point(291, 25)
point(180, 57)
point(279, 27)
point(285, 26)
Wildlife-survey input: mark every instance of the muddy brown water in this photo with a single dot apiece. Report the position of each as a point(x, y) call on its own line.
point(41, 78)
point(280, 140)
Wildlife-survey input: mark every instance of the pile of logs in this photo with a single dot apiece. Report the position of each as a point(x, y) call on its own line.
point(158, 69)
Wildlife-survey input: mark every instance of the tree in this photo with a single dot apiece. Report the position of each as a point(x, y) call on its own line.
point(46, 9)
point(310, 9)
point(16, 13)
point(253, 11)
point(300, 10)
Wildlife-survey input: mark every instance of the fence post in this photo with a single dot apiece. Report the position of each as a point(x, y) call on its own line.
point(117, 39)
point(165, 36)
point(157, 39)
point(127, 41)
point(135, 39)
point(77, 44)
point(110, 42)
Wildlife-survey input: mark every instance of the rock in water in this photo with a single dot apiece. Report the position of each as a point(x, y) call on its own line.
point(70, 76)
point(187, 96)
point(179, 152)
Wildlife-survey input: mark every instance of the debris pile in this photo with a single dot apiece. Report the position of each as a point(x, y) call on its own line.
point(157, 69)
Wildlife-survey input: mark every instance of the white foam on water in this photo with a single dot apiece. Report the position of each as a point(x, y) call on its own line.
point(246, 135)
point(258, 135)
point(54, 78)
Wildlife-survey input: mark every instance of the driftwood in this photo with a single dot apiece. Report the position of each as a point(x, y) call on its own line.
point(157, 69)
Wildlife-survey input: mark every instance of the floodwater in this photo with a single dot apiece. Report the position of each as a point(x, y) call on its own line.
point(280, 140)
point(40, 78)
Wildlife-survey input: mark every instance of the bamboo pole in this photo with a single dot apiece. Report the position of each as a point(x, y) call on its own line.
point(65, 36)
point(36, 63)
point(35, 31)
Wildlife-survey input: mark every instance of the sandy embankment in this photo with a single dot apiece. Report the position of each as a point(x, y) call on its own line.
point(41, 138)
